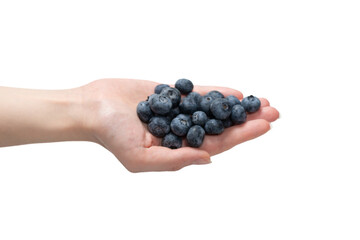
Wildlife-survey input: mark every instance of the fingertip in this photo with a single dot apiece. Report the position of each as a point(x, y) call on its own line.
point(264, 102)
point(201, 161)
point(270, 114)
point(277, 114)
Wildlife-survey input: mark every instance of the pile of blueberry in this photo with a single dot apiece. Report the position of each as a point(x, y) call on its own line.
point(171, 117)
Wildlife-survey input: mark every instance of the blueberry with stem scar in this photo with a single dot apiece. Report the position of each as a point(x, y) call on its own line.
point(160, 104)
point(180, 125)
point(159, 126)
point(173, 94)
point(251, 104)
point(220, 108)
point(199, 118)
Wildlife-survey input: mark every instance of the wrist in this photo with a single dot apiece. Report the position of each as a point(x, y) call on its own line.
point(74, 115)
point(86, 108)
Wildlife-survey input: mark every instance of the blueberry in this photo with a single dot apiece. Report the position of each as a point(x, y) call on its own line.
point(159, 126)
point(199, 118)
point(173, 113)
point(173, 94)
point(188, 105)
point(150, 97)
point(171, 141)
point(227, 123)
point(205, 102)
point(195, 136)
point(160, 104)
point(171, 117)
point(215, 94)
point(233, 100)
point(144, 112)
point(238, 114)
point(196, 96)
point(220, 108)
point(160, 87)
point(180, 125)
point(214, 127)
point(184, 85)
point(251, 104)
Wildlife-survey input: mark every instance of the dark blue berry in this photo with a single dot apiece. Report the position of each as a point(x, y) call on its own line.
point(160, 104)
point(171, 141)
point(159, 126)
point(173, 113)
point(173, 94)
point(233, 100)
point(205, 103)
point(220, 108)
point(251, 104)
point(215, 94)
point(160, 87)
point(171, 117)
point(196, 96)
point(238, 114)
point(214, 127)
point(199, 118)
point(144, 112)
point(184, 85)
point(150, 97)
point(227, 123)
point(195, 136)
point(180, 124)
point(188, 105)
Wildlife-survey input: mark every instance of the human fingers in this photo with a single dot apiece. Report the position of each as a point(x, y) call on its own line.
point(270, 114)
point(235, 135)
point(264, 102)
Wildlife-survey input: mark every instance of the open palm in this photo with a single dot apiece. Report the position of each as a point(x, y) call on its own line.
point(117, 127)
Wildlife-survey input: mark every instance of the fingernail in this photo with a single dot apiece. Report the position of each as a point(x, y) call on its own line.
point(202, 161)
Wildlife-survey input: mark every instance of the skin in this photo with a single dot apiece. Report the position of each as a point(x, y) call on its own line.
point(104, 112)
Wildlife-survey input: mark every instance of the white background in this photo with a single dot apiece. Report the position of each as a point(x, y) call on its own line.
point(301, 180)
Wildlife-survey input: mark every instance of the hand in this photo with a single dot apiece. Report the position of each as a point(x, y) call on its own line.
point(116, 126)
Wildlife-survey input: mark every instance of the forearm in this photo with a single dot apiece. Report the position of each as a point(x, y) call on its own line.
point(36, 116)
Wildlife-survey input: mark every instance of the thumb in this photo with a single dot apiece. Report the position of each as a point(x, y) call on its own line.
point(165, 159)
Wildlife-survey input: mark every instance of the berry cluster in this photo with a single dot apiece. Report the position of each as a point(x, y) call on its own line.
point(171, 117)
